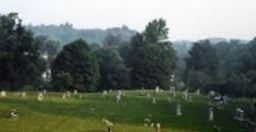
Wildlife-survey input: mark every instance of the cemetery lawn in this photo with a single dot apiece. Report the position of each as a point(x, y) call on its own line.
point(76, 114)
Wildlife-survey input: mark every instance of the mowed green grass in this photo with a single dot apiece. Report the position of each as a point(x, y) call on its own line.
point(76, 114)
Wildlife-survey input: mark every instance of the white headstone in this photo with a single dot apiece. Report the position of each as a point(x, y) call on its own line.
point(178, 110)
point(92, 109)
point(147, 122)
point(17, 94)
point(190, 97)
point(152, 125)
point(154, 100)
point(23, 94)
point(3, 93)
point(64, 96)
point(110, 90)
point(142, 92)
point(198, 92)
point(148, 95)
point(211, 93)
point(40, 97)
point(158, 127)
point(81, 96)
point(239, 114)
point(105, 92)
point(157, 89)
point(185, 94)
point(68, 94)
point(44, 91)
point(119, 92)
point(172, 78)
point(14, 113)
point(118, 98)
point(211, 114)
point(108, 124)
point(75, 92)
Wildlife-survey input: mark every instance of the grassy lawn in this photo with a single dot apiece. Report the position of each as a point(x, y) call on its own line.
point(85, 114)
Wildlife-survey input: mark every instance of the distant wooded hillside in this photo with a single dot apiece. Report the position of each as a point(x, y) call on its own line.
point(66, 33)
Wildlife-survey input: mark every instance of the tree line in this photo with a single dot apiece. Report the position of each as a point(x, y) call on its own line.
point(78, 65)
point(144, 61)
point(227, 67)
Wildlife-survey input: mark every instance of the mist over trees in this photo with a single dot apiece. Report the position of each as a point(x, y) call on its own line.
point(66, 33)
point(121, 58)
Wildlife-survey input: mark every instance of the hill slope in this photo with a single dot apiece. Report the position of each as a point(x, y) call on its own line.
point(85, 113)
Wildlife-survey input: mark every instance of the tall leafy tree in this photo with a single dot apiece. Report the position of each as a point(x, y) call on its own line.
point(114, 74)
point(249, 66)
point(248, 60)
point(151, 57)
point(156, 31)
point(230, 54)
point(20, 61)
point(77, 64)
point(152, 66)
point(202, 63)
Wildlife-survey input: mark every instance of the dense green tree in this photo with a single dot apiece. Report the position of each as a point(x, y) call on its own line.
point(124, 51)
point(64, 82)
point(226, 67)
point(152, 65)
point(115, 42)
point(202, 64)
point(203, 57)
point(235, 85)
point(156, 31)
point(197, 79)
point(249, 66)
point(229, 55)
point(248, 60)
point(113, 72)
point(77, 60)
point(20, 61)
point(152, 57)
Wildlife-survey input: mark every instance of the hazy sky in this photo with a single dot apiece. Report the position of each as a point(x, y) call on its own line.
point(187, 19)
